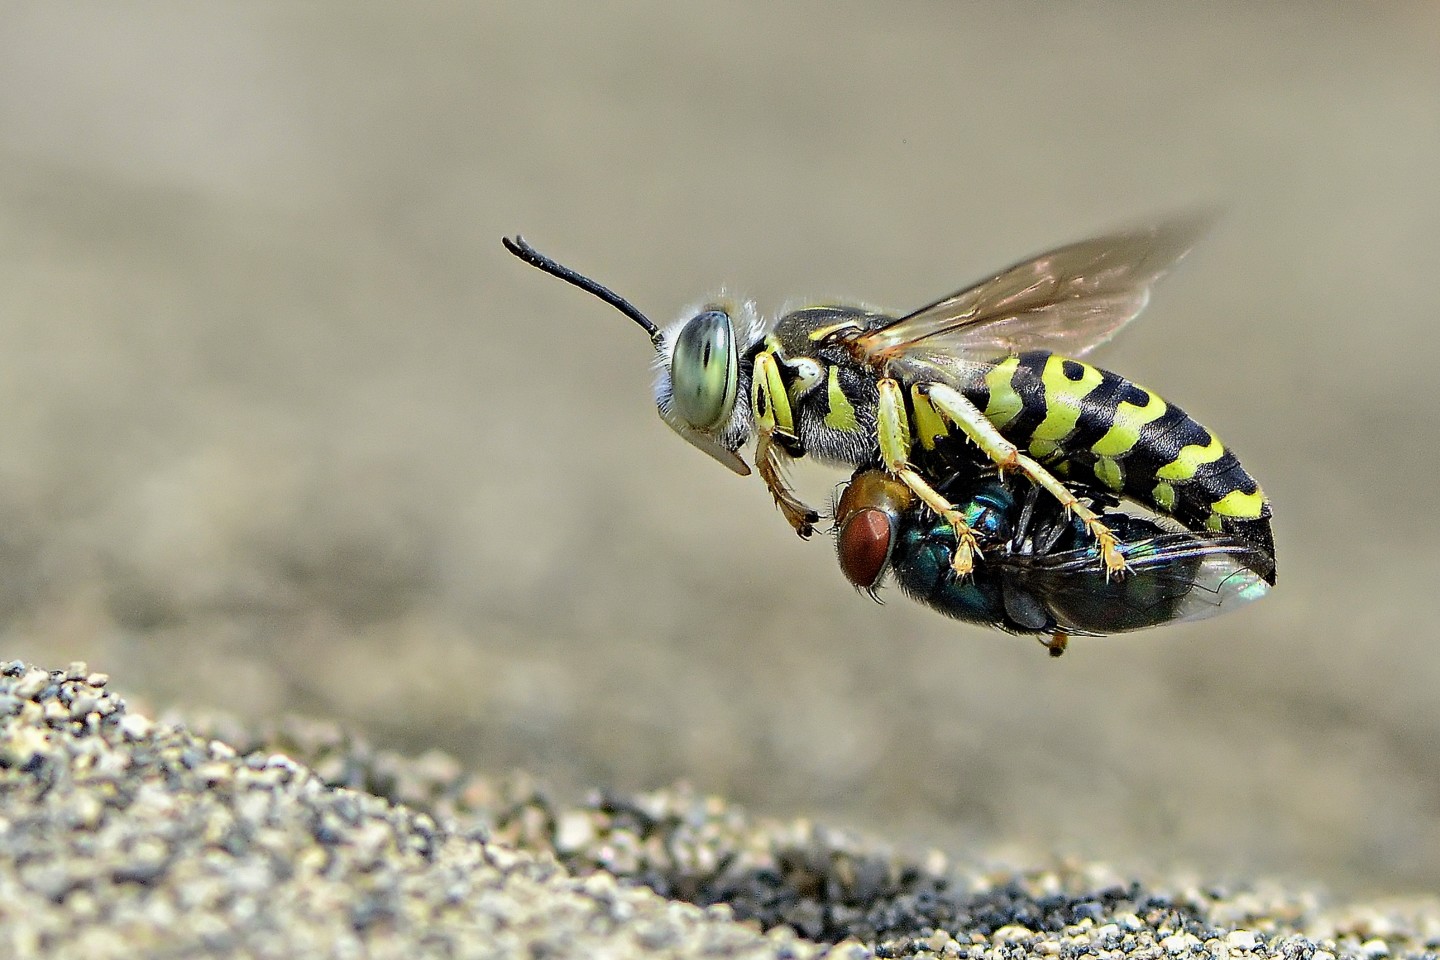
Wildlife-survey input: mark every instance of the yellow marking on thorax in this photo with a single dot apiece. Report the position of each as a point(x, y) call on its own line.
point(929, 425)
point(823, 332)
point(807, 376)
point(1062, 398)
point(1240, 505)
point(1190, 459)
point(1124, 433)
point(1164, 497)
point(842, 411)
point(1004, 404)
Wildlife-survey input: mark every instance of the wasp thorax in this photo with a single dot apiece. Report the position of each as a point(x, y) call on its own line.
point(704, 371)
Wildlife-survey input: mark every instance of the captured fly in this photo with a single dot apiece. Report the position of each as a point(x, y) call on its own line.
point(1043, 574)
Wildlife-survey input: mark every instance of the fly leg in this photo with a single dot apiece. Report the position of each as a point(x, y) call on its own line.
point(1055, 643)
point(954, 405)
point(894, 434)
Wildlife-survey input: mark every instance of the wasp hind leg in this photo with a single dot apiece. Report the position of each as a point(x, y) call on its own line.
point(894, 435)
point(954, 405)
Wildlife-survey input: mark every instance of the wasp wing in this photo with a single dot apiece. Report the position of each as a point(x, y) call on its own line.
point(1069, 300)
point(1173, 577)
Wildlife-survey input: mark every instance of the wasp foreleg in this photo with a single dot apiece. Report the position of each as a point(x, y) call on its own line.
point(894, 435)
point(775, 435)
point(767, 464)
point(954, 405)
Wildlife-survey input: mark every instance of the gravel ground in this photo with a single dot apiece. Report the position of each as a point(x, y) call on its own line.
point(124, 836)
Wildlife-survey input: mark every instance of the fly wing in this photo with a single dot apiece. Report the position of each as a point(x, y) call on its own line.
point(1069, 300)
point(1173, 577)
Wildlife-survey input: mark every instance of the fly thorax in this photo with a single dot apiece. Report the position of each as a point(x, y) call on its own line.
point(700, 382)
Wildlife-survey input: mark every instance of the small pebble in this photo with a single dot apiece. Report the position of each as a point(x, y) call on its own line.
point(1180, 943)
point(1240, 940)
point(30, 685)
point(134, 726)
point(573, 831)
point(56, 712)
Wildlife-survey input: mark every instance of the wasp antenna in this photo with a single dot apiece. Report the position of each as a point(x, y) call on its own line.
point(535, 258)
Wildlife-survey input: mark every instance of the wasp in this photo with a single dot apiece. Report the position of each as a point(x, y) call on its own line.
point(990, 374)
point(1043, 574)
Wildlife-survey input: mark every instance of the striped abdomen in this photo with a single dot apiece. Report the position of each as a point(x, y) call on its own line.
point(1095, 426)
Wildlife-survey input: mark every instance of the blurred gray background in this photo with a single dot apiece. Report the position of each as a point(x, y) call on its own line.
point(282, 427)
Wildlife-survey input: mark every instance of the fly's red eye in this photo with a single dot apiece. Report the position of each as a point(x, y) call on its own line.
point(864, 546)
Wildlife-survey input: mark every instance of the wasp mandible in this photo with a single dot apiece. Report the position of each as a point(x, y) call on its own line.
point(918, 393)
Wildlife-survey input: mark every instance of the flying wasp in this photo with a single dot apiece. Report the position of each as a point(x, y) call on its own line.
point(856, 386)
point(1042, 573)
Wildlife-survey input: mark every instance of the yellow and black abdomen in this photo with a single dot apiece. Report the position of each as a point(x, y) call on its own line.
point(1094, 426)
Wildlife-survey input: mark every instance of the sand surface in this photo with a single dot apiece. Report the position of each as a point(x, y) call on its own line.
point(127, 837)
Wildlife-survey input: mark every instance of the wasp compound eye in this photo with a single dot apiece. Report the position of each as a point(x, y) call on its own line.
point(704, 370)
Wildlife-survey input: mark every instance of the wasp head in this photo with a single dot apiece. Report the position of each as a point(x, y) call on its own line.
point(699, 380)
